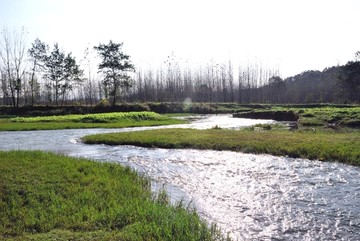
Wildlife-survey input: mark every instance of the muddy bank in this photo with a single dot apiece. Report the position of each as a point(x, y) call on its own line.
point(273, 115)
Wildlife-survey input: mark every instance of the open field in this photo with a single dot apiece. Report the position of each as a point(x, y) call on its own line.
point(323, 145)
point(103, 120)
point(51, 197)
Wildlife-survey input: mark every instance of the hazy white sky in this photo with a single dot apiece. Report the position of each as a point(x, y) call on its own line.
point(296, 35)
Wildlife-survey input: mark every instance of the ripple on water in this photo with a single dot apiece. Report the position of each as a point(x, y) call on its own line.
point(264, 197)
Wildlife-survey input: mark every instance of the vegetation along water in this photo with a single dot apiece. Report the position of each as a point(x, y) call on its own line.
point(316, 133)
point(53, 197)
point(100, 120)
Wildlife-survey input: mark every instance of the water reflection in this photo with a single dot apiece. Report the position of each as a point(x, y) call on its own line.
point(253, 197)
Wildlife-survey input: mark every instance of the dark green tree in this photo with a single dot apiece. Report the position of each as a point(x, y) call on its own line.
point(115, 67)
point(277, 89)
point(37, 53)
point(63, 71)
point(349, 81)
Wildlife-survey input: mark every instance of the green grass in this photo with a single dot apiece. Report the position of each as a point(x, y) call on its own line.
point(317, 116)
point(44, 196)
point(104, 120)
point(93, 118)
point(321, 116)
point(322, 145)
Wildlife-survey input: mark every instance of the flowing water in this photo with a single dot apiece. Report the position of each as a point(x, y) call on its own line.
point(252, 197)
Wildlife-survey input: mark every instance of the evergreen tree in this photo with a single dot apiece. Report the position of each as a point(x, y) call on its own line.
point(115, 66)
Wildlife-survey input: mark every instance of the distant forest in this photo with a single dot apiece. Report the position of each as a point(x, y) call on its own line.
point(42, 76)
point(253, 84)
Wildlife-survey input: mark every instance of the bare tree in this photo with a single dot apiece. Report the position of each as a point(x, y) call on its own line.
point(37, 53)
point(12, 56)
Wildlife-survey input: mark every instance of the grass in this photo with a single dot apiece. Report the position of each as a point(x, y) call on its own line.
point(44, 196)
point(322, 145)
point(104, 120)
point(93, 118)
point(314, 116)
point(319, 116)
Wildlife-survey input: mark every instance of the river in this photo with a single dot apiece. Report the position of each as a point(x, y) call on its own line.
point(251, 197)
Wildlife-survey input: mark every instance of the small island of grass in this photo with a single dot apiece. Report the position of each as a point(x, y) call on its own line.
point(327, 145)
point(101, 120)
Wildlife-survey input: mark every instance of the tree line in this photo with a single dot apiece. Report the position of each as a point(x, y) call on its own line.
point(40, 75)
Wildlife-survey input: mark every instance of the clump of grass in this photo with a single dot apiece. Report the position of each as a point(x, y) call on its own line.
point(216, 127)
point(45, 196)
point(264, 126)
point(322, 145)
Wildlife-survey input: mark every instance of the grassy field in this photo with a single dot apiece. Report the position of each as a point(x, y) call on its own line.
point(45, 196)
point(323, 145)
point(104, 120)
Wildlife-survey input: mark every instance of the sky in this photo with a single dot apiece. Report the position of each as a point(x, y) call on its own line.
point(292, 35)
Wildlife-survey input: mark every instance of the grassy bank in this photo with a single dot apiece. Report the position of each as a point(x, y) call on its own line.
point(309, 116)
point(323, 145)
point(101, 120)
point(45, 196)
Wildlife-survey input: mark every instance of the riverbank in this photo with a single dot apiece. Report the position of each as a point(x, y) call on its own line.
point(326, 145)
point(305, 115)
point(325, 116)
point(77, 121)
point(52, 197)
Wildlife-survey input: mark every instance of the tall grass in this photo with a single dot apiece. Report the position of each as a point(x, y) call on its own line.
point(45, 196)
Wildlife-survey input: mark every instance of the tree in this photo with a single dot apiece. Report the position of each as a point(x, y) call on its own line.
point(277, 89)
point(350, 81)
point(12, 54)
point(89, 85)
point(72, 74)
point(37, 53)
point(357, 56)
point(115, 66)
point(62, 70)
